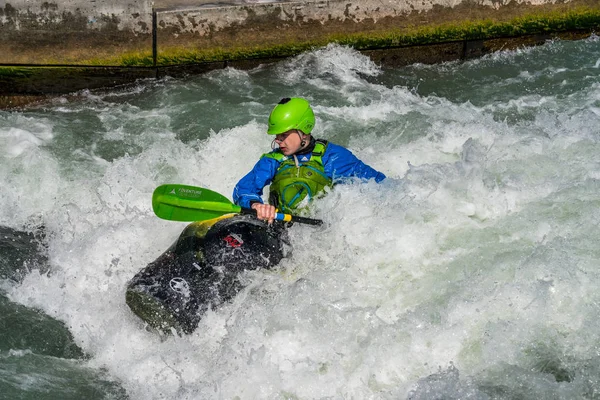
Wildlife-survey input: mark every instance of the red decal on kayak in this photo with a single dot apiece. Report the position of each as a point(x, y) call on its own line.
point(234, 240)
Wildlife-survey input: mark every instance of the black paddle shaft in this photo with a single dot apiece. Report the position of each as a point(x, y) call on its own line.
point(294, 218)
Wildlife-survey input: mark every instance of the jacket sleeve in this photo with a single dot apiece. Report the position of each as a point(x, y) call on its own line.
point(340, 163)
point(250, 188)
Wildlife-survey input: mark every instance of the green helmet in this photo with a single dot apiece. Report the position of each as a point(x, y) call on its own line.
point(294, 113)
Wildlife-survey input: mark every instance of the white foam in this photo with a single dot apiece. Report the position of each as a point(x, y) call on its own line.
point(29, 135)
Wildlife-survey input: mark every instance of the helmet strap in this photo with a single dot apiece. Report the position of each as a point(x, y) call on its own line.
point(301, 136)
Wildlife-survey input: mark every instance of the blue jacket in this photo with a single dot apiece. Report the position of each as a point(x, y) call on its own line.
point(338, 162)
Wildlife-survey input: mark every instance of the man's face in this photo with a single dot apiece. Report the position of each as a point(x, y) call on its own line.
point(289, 142)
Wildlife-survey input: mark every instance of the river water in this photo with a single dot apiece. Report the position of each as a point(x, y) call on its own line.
point(473, 272)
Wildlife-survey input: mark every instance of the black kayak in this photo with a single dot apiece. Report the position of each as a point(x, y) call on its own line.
point(201, 270)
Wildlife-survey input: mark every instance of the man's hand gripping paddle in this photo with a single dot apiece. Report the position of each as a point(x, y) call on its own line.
point(190, 203)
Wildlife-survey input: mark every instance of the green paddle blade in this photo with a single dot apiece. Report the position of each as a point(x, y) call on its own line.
point(190, 203)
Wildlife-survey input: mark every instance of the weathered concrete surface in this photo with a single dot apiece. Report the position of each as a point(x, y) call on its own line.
point(205, 21)
point(276, 24)
point(98, 15)
point(73, 31)
point(119, 32)
point(162, 5)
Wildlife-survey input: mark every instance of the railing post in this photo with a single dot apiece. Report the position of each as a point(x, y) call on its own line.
point(154, 44)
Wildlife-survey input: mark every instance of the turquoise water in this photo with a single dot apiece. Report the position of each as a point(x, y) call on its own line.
point(471, 273)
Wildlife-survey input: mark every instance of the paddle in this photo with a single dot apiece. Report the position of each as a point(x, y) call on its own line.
point(190, 203)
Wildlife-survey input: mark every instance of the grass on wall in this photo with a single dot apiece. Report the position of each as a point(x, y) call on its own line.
point(546, 23)
point(543, 23)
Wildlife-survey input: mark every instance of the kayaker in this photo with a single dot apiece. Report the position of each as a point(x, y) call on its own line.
point(299, 167)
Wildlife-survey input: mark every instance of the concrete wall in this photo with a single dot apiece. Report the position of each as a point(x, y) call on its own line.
point(97, 15)
point(184, 33)
point(73, 31)
point(203, 21)
point(119, 32)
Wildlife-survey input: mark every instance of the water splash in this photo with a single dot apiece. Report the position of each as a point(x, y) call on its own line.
point(471, 272)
